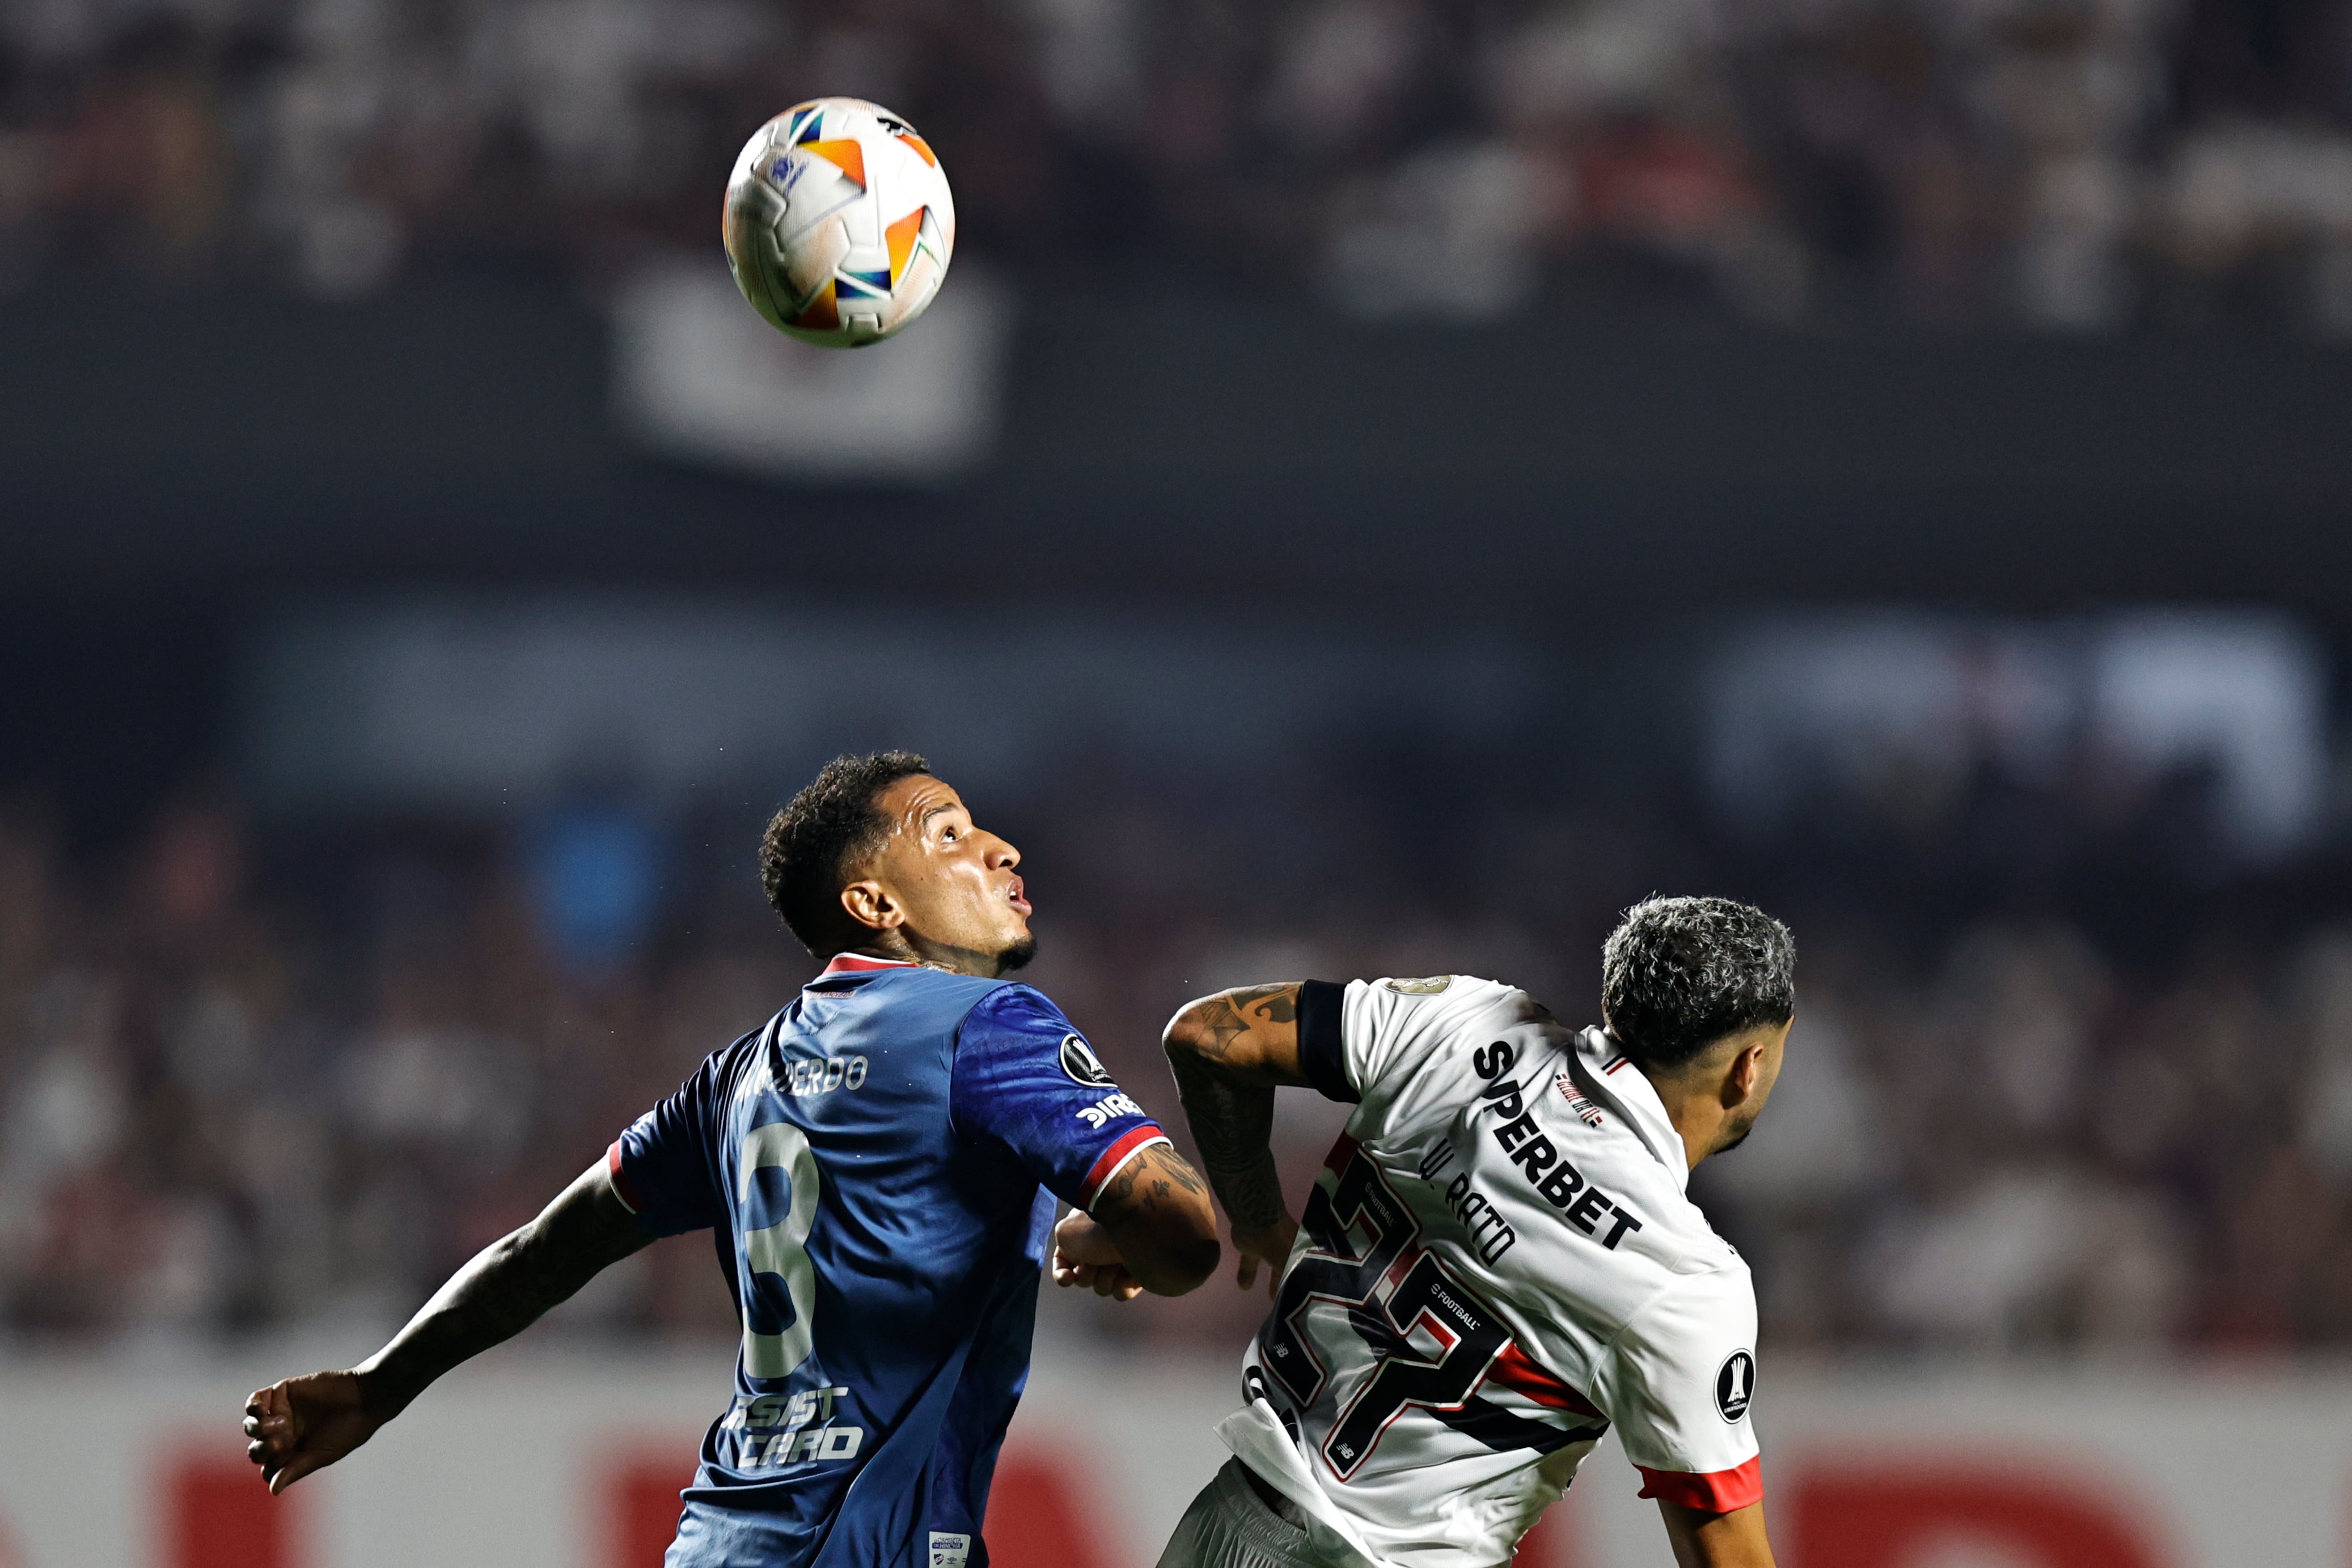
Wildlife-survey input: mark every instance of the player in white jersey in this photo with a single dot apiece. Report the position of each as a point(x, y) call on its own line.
point(1499, 1261)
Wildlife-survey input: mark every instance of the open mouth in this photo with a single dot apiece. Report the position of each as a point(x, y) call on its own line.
point(1012, 897)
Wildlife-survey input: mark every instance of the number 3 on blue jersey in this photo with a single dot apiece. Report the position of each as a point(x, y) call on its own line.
point(780, 1250)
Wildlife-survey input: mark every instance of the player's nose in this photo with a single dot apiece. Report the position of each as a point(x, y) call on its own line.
point(1002, 856)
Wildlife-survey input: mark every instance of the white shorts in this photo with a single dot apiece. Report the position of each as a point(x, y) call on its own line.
point(1230, 1526)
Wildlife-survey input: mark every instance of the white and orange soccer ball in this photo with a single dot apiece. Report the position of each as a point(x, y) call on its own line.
point(839, 223)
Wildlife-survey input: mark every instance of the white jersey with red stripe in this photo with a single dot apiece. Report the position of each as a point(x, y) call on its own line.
point(1498, 1262)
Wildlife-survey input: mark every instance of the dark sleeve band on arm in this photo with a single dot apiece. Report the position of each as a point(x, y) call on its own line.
point(1320, 1005)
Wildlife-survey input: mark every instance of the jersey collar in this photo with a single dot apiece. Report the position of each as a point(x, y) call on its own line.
point(859, 964)
point(1600, 1066)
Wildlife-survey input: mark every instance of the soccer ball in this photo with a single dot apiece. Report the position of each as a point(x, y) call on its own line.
point(838, 222)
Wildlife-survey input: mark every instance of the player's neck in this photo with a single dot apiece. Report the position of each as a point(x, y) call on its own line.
point(1696, 1110)
point(895, 946)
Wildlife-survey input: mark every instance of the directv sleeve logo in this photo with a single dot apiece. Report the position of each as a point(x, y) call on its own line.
point(1735, 1385)
point(1083, 1066)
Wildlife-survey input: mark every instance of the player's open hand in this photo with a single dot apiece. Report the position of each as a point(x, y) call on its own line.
point(1084, 1254)
point(305, 1424)
point(1270, 1247)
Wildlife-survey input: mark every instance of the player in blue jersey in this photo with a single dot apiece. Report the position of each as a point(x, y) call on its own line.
point(879, 1164)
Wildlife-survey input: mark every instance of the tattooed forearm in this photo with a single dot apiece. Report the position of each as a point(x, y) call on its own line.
point(1251, 1196)
point(1151, 1180)
point(1233, 1123)
point(1229, 1053)
point(1156, 1210)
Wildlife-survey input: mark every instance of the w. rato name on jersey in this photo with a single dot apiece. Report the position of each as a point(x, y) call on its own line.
point(1498, 1262)
point(1555, 1177)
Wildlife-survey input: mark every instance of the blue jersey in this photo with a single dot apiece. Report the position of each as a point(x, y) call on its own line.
point(877, 1163)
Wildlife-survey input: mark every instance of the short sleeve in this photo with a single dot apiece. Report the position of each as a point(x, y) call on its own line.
point(1680, 1381)
point(1027, 1080)
point(1323, 1039)
point(665, 1164)
point(1387, 1027)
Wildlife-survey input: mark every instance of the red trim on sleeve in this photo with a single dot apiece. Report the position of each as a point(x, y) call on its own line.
point(1336, 1162)
point(1513, 1371)
point(1716, 1491)
point(1131, 1145)
point(621, 1188)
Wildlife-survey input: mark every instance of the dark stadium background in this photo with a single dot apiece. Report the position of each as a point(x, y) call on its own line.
point(1413, 478)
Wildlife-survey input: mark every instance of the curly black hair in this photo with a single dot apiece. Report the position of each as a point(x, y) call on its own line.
point(1679, 974)
point(824, 830)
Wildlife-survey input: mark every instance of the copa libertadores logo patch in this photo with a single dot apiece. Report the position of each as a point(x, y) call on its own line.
point(1735, 1385)
point(1079, 1061)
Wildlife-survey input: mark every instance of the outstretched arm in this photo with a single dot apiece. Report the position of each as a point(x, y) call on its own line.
point(1702, 1540)
point(304, 1424)
point(1229, 1053)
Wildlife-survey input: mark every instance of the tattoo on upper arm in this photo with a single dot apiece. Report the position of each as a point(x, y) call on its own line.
point(1222, 1023)
point(1274, 1004)
point(1227, 1016)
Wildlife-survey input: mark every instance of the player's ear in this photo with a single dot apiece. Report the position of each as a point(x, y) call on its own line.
point(869, 904)
point(1747, 1073)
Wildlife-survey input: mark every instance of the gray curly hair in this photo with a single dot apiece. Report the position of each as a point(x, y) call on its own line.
point(1679, 974)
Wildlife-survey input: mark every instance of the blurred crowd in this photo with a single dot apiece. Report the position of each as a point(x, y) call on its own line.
point(2073, 164)
point(254, 1079)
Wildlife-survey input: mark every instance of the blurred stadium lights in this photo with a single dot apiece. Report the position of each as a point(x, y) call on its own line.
point(486, 703)
point(1903, 716)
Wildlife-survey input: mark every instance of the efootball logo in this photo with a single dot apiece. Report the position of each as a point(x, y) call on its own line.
point(1735, 1386)
point(1079, 1061)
